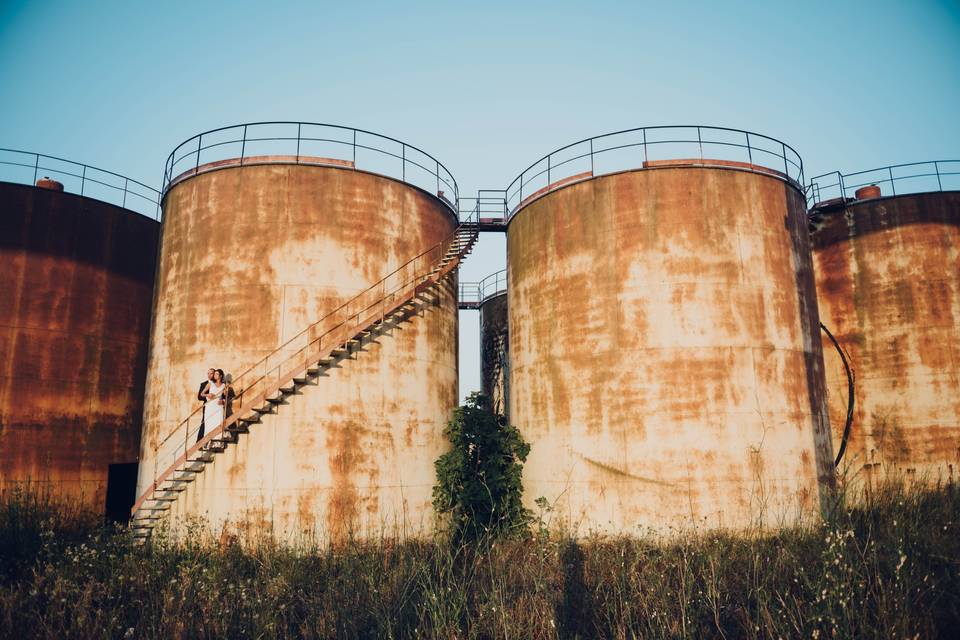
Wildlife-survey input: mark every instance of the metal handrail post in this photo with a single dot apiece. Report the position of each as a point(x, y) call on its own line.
point(299, 124)
point(936, 168)
point(83, 179)
point(196, 169)
point(36, 167)
point(749, 150)
point(786, 169)
point(892, 187)
point(126, 183)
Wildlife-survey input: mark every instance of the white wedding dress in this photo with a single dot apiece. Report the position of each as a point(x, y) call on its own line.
point(213, 410)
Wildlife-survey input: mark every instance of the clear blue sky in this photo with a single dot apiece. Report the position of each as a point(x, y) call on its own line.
point(486, 88)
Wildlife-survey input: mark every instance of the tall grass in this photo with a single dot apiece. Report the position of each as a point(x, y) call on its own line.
point(888, 568)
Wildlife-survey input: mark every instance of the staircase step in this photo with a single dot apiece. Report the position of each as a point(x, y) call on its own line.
point(147, 520)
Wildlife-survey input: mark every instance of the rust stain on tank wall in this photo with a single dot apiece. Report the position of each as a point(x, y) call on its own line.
point(656, 319)
point(888, 277)
point(76, 282)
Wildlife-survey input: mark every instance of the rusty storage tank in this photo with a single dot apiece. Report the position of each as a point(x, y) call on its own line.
point(665, 362)
point(495, 342)
point(254, 249)
point(77, 259)
point(886, 248)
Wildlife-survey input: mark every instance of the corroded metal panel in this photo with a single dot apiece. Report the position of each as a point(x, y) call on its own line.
point(76, 283)
point(665, 362)
point(495, 354)
point(888, 282)
point(251, 256)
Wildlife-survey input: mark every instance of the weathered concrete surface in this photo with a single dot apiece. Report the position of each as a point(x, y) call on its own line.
point(252, 255)
point(495, 353)
point(76, 283)
point(888, 283)
point(665, 362)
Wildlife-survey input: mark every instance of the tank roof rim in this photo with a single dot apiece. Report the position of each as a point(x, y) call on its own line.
point(699, 129)
point(71, 194)
point(83, 178)
point(790, 182)
point(168, 167)
point(187, 175)
point(493, 296)
point(837, 204)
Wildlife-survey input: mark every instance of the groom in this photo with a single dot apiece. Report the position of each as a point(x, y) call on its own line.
point(201, 398)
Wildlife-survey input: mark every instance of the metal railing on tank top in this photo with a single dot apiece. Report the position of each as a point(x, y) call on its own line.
point(896, 179)
point(311, 143)
point(645, 147)
point(27, 167)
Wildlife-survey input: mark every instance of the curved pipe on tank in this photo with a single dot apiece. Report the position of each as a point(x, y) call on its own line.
point(850, 395)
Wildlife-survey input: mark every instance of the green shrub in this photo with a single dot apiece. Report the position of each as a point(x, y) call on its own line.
point(478, 491)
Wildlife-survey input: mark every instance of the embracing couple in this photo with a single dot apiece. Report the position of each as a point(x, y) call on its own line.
point(215, 394)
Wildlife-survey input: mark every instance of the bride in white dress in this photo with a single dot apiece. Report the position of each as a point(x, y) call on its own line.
point(213, 410)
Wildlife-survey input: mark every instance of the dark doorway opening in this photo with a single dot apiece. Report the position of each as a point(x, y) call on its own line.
point(121, 491)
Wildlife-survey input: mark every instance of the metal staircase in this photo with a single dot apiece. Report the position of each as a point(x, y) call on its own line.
point(302, 360)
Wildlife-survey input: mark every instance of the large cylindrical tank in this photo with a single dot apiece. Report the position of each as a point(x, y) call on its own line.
point(252, 255)
point(76, 286)
point(495, 344)
point(665, 362)
point(888, 283)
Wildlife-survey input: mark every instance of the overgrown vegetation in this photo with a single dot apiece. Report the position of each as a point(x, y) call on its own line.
point(479, 491)
point(890, 568)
